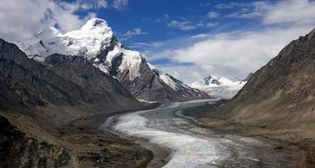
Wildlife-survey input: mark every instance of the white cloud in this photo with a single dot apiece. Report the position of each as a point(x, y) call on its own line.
point(83, 4)
point(119, 4)
point(231, 5)
point(186, 25)
point(182, 25)
point(133, 32)
point(209, 25)
point(21, 19)
point(187, 73)
point(299, 12)
point(213, 15)
point(235, 54)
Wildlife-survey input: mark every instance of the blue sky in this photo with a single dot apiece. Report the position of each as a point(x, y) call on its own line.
point(154, 18)
point(189, 39)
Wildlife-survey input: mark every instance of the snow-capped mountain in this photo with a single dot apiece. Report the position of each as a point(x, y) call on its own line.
point(95, 41)
point(219, 87)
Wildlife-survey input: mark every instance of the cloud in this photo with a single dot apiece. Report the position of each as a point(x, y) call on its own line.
point(203, 5)
point(119, 4)
point(186, 25)
point(182, 25)
point(299, 12)
point(233, 54)
point(231, 5)
point(83, 4)
point(134, 32)
point(187, 73)
point(213, 15)
point(21, 19)
point(237, 53)
point(157, 20)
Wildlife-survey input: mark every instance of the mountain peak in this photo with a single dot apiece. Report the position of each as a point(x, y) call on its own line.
point(95, 23)
point(48, 32)
point(211, 80)
point(220, 87)
point(87, 42)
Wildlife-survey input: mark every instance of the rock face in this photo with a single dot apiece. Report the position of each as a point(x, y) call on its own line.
point(18, 150)
point(62, 81)
point(219, 87)
point(95, 42)
point(282, 93)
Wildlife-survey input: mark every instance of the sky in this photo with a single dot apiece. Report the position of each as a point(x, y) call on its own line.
point(188, 39)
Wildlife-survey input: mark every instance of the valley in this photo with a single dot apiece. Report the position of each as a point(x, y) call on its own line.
point(172, 84)
point(191, 145)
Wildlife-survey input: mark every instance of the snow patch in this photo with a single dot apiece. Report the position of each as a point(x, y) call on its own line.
point(167, 80)
point(131, 61)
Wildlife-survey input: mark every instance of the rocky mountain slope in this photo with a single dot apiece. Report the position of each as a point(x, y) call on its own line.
point(219, 87)
point(62, 82)
point(281, 95)
point(43, 101)
point(96, 43)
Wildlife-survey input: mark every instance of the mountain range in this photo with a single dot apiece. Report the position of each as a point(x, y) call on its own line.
point(220, 87)
point(95, 42)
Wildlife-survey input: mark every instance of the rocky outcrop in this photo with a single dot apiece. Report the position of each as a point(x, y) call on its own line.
point(18, 150)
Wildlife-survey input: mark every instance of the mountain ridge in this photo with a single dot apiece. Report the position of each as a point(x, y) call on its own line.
point(56, 90)
point(280, 95)
point(219, 87)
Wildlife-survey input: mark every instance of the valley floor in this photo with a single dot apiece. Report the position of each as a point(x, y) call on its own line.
point(181, 134)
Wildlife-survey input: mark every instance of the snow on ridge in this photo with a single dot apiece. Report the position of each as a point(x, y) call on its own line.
point(92, 38)
point(220, 87)
point(167, 80)
point(87, 41)
point(131, 62)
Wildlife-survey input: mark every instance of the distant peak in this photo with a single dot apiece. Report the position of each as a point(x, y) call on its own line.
point(95, 22)
point(212, 80)
point(49, 30)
